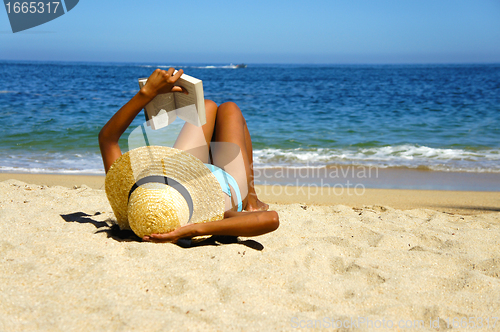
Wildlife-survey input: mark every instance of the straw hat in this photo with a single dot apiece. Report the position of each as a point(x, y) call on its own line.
point(156, 189)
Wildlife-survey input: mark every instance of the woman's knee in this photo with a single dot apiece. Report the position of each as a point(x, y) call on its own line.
point(210, 109)
point(272, 219)
point(230, 106)
point(230, 109)
point(210, 104)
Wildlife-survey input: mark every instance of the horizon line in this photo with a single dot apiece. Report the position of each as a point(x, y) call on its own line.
point(259, 63)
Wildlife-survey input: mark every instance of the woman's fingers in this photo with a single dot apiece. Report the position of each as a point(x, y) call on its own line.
point(178, 88)
point(173, 236)
point(177, 75)
point(170, 71)
point(160, 238)
point(163, 81)
point(169, 76)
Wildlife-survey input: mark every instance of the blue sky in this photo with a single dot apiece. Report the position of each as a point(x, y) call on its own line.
point(332, 31)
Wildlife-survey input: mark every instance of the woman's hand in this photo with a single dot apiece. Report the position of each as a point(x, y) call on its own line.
point(162, 81)
point(173, 236)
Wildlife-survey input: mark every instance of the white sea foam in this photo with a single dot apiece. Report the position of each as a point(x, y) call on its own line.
point(50, 170)
point(57, 163)
point(411, 156)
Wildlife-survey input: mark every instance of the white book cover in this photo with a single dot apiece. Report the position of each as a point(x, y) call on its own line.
point(165, 107)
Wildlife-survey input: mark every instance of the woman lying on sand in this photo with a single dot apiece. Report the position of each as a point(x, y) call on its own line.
point(224, 123)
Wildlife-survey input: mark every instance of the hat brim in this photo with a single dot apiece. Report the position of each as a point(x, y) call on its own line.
point(205, 190)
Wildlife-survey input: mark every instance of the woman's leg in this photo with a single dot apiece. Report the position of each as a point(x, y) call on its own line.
point(224, 124)
point(199, 142)
point(252, 195)
point(230, 126)
point(196, 141)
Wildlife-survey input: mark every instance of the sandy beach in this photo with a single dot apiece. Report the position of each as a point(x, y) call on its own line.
point(387, 259)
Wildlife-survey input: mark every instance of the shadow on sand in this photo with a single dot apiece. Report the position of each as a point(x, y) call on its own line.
point(471, 210)
point(114, 232)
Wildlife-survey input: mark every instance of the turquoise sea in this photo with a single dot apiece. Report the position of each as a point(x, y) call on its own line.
point(428, 117)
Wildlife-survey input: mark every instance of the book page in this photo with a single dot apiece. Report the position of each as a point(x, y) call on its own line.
point(189, 114)
point(162, 119)
point(164, 101)
point(189, 83)
point(182, 100)
point(195, 96)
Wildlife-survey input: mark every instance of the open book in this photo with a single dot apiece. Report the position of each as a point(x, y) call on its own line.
point(165, 107)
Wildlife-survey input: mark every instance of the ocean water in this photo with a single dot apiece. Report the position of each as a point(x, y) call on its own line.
point(431, 117)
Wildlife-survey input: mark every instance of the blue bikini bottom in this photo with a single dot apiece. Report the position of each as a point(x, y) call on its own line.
point(225, 179)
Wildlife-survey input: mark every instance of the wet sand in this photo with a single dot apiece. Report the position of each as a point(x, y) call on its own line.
point(464, 202)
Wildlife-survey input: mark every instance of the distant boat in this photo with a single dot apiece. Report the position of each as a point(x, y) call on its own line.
point(241, 65)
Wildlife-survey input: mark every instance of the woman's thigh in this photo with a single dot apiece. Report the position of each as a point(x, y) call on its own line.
point(196, 140)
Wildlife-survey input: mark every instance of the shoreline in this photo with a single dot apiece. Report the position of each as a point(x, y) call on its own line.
point(336, 176)
point(448, 201)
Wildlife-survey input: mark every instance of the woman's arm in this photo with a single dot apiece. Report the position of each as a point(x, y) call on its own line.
point(233, 224)
point(160, 81)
